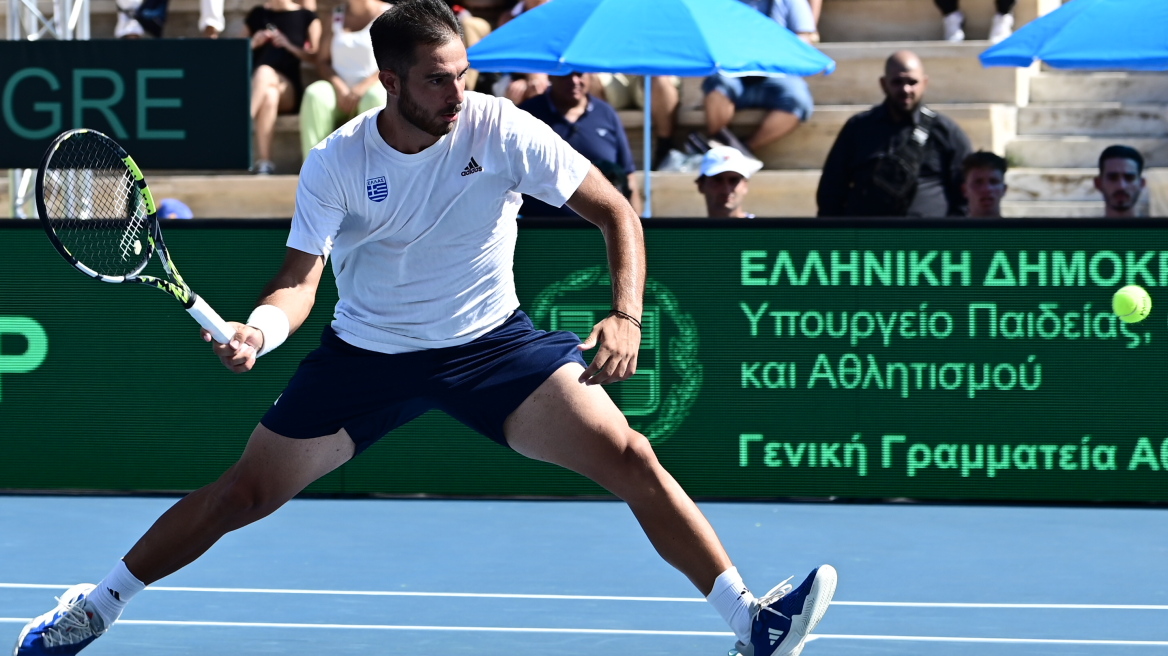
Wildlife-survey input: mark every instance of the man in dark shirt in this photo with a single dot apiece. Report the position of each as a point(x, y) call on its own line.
point(589, 125)
point(860, 175)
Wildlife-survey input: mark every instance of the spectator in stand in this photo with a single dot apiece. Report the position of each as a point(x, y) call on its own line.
point(137, 18)
point(786, 97)
point(473, 31)
point(816, 10)
point(349, 83)
point(590, 126)
point(984, 184)
point(283, 34)
point(518, 87)
point(725, 181)
point(1120, 180)
point(899, 158)
point(628, 92)
point(953, 20)
point(173, 208)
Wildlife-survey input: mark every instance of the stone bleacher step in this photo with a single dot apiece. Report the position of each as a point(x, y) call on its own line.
point(1061, 192)
point(237, 196)
point(772, 193)
point(1093, 119)
point(955, 74)
point(1052, 209)
point(989, 127)
point(913, 20)
point(1043, 151)
point(1078, 87)
point(1051, 185)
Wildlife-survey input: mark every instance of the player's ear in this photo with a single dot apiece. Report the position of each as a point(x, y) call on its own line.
point(391, 81)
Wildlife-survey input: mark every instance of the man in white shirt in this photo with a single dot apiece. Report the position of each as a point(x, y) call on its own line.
point(416, 204)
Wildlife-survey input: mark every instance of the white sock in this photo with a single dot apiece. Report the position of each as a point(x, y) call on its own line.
point(114, 592)
point(731, 598)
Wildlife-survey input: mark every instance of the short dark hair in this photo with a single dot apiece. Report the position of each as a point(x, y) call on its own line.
point(1122, 152)
point(983, 159)
point(397, 33)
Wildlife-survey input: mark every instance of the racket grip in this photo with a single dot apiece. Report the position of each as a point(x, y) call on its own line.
point(208, 318)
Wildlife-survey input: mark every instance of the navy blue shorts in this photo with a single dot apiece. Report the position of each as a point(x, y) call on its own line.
point(368, 394)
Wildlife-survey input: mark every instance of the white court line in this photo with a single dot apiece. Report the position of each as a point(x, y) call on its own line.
point(716, 634)
point(408, 627)
point(490, 595)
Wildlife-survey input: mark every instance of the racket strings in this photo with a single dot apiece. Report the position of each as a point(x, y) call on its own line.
point(94, 206)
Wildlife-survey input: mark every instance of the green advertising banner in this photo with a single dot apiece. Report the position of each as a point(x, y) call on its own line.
point(780, 359)
point(171, 103)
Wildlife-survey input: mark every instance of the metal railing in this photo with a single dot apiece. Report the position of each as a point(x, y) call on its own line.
point(68, 20)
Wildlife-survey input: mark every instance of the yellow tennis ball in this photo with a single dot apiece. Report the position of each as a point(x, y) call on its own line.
point(1131, 303)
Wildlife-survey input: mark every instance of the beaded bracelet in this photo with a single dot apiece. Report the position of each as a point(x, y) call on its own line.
point(624, 315)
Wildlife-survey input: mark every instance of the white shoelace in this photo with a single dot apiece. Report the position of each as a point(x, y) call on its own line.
point(776, 593)
point(763, 603)
point(71, 628)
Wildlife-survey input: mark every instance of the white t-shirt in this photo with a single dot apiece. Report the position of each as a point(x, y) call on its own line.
point(423, 245)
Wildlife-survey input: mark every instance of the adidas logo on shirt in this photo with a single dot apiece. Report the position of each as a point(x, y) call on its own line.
point(473, 167)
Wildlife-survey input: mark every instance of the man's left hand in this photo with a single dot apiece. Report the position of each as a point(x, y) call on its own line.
point(619, 341)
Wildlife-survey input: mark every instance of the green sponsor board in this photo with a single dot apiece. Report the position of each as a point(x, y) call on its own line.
point(778, 360)
point(171, 103)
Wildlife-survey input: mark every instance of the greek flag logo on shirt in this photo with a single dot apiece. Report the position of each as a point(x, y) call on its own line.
point(377, 189)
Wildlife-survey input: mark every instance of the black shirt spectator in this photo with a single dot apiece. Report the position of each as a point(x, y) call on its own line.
point(851, 165)
point(294, 24)
point(589, 125)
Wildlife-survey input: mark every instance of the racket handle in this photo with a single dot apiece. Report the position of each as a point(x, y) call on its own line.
point(208, 318)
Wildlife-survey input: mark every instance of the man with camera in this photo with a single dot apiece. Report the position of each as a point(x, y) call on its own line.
point(899, 158)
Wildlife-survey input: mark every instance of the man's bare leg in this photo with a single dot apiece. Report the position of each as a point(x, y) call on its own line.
point(719, 112)
point(272, 470)
point(579, 427)
point(775, 125)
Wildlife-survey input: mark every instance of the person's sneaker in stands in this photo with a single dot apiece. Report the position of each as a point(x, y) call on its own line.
point(1002, 27)
point(953, 27)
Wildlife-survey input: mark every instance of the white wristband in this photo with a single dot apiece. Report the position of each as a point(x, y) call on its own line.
point(273, 323)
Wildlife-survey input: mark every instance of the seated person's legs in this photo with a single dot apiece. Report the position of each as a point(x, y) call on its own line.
point(525, 85)
point(271, 94)
point(374, 97)
point(1003, 25)
point(318, 114)
point(721, 98)
point(666, 98)
point(789, 101)
point(952, 20)
point(473, 31)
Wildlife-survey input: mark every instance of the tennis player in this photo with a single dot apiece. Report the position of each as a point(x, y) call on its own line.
point(416, 204)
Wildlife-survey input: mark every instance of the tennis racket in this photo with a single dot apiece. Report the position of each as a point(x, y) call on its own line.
point(98, 212)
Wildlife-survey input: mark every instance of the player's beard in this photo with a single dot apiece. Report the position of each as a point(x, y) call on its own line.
point(417, 116)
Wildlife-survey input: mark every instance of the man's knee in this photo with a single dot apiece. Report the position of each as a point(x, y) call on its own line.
point(240, 497)
point(637, 457)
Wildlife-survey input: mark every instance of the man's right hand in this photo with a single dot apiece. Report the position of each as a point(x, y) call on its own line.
point(238, 355)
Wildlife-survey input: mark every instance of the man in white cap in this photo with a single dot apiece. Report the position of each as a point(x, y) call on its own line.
point(725, 181)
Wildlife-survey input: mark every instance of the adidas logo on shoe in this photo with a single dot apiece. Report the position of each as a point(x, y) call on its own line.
point(775, 636)
point(473, 167)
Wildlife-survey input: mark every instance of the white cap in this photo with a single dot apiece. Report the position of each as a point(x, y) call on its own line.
point(720, 159)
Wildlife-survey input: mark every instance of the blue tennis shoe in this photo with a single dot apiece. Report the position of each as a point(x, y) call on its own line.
point(785, 616)
point(66, 629)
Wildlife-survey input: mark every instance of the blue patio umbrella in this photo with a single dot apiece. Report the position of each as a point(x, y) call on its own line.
point(690, 38)
point(1091, 34)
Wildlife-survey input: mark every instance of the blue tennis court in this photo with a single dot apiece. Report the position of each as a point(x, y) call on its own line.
point(366, 576)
